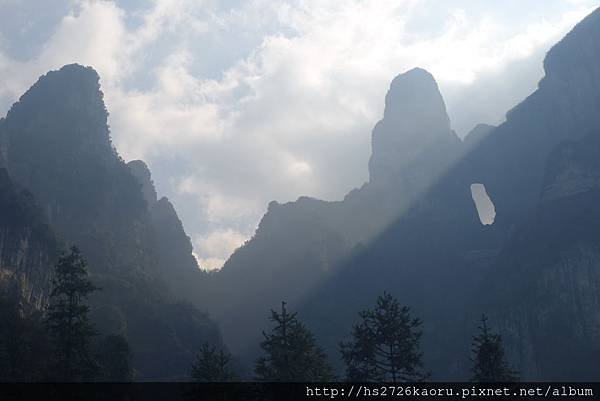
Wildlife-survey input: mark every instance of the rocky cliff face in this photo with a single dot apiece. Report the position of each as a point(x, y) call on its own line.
point(539, 281)
point(477, 135)
point(547, 280)
point(3, 148)
point(415, 129)
point(59, 149)
point(28, 247)
point(177, 265)
point(534, 270)
point(302, 244)
point(541, 170)
point(511, 162)
point(142, 174)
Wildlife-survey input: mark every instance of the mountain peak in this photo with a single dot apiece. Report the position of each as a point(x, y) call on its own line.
point(414, 124)
point(70, 79)
point(414, 97)
point(477, 134)
point(39, 119)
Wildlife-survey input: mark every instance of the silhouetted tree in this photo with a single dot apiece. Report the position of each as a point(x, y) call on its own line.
point(385, 345)
point(212, 365)
point(291, 353)
point(67, 319)
point(488, 360)
point(114, 358)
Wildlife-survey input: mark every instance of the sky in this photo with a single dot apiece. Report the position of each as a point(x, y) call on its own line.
point(233, 104)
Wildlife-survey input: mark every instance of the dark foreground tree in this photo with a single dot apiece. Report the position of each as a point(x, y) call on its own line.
point(385, 345)
point(68, 322)
point(114, 359)
point(291, 353)
point(212, 365)
point(489, 364)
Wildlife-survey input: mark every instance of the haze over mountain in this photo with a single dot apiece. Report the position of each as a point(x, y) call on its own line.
point(420, 236)
point(288, 89)
point(530, 261)
point(58, 148)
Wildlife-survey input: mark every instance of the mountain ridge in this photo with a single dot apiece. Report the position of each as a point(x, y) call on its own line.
point(435, 243)
point(59, 148)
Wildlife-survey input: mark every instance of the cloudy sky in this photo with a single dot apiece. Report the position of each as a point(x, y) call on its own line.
point(236, 103)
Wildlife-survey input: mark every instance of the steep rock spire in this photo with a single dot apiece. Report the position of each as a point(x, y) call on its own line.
point(413, 141)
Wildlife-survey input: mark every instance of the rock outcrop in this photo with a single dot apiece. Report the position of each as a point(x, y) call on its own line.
point(413, 229)
point(60, 150)
point(177, 265)
point(301, 244)
point(142, 174)
point(28, 246)
point(476, 135)
point(415, 130)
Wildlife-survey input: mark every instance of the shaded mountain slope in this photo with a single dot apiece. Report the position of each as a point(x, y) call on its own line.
point(297, 246)
point(28, 246)
point(439, 250)
point(176, 263)
point(58, 147)
point(545, 285)
point(430, 249)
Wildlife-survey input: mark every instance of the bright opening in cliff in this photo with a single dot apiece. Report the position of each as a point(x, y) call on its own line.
point(483, 203)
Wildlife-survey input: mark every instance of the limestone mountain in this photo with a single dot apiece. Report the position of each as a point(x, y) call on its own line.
point(546, 281)
point(534, 270)
point(414, 229)
point(477, 134)
point(58, 147)
point(308, 240)
point(28, 246)
point(415, 129)
point(177, 266)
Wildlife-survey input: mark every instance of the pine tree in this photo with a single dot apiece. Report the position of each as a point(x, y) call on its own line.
point(385, 345)
point(212, 365)
point(488, 360)
point(68, 321)
point(291, 352)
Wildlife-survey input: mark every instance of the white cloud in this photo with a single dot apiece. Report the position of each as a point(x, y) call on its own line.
point(93, 34)
point(219, 244)
point(236, 104)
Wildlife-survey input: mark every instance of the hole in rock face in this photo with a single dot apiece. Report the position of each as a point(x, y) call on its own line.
point(483, 203)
